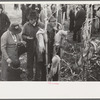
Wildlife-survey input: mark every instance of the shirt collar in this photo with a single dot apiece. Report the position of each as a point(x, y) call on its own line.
point(34, 24)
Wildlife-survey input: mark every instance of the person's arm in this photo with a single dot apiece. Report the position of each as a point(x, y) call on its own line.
point(20, 40)
point(58, 36)
point(3, 46)
point(25, 35)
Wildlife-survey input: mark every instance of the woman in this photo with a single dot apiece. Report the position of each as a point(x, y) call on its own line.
point(9, 41)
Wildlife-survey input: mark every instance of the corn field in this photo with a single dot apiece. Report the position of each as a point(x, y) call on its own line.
point(79, 61)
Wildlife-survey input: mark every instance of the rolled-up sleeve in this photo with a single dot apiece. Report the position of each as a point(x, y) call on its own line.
point(3, 46)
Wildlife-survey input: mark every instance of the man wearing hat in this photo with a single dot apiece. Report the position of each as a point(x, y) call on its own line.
point(9, 41)
point(29, 35)
point(4, 22)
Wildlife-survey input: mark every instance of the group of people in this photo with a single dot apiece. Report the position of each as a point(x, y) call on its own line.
point(34, 23)
point(11, 40)
point(77, 18)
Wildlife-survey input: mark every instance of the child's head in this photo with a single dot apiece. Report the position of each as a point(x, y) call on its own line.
point(15, 64)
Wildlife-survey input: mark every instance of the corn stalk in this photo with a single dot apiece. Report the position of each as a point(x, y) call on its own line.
point(46, 54)
point(86, 34)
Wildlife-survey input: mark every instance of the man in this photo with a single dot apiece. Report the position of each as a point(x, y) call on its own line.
point(4, 22)
point(29, 35)
point(51, 34)
point(72, 18)
point(79, 20)
point(24, 19)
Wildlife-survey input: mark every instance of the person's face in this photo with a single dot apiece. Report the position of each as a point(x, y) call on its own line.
point(53, 23)
point(32, 21)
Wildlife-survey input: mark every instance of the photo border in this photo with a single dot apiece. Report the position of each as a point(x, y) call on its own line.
point(68, 90)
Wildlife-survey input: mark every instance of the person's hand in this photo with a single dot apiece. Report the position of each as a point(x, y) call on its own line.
point(9, 61)
point(55, 28)
point(29, 38)
point(19, 43)
point(23, 42)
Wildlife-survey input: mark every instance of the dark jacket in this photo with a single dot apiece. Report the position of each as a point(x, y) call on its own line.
point(72, 19)
point(4, 22)
point(50, 34)
point(29, 30)
point(24, 19)
point(80, 17)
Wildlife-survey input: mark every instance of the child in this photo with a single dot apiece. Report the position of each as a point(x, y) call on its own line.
point(14, 71)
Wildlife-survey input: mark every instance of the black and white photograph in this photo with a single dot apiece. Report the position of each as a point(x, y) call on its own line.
point(49, 42)
point(49, 49)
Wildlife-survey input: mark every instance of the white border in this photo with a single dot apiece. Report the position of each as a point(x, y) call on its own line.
point(42, 90)
point(53, 2)
point(39, 90)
